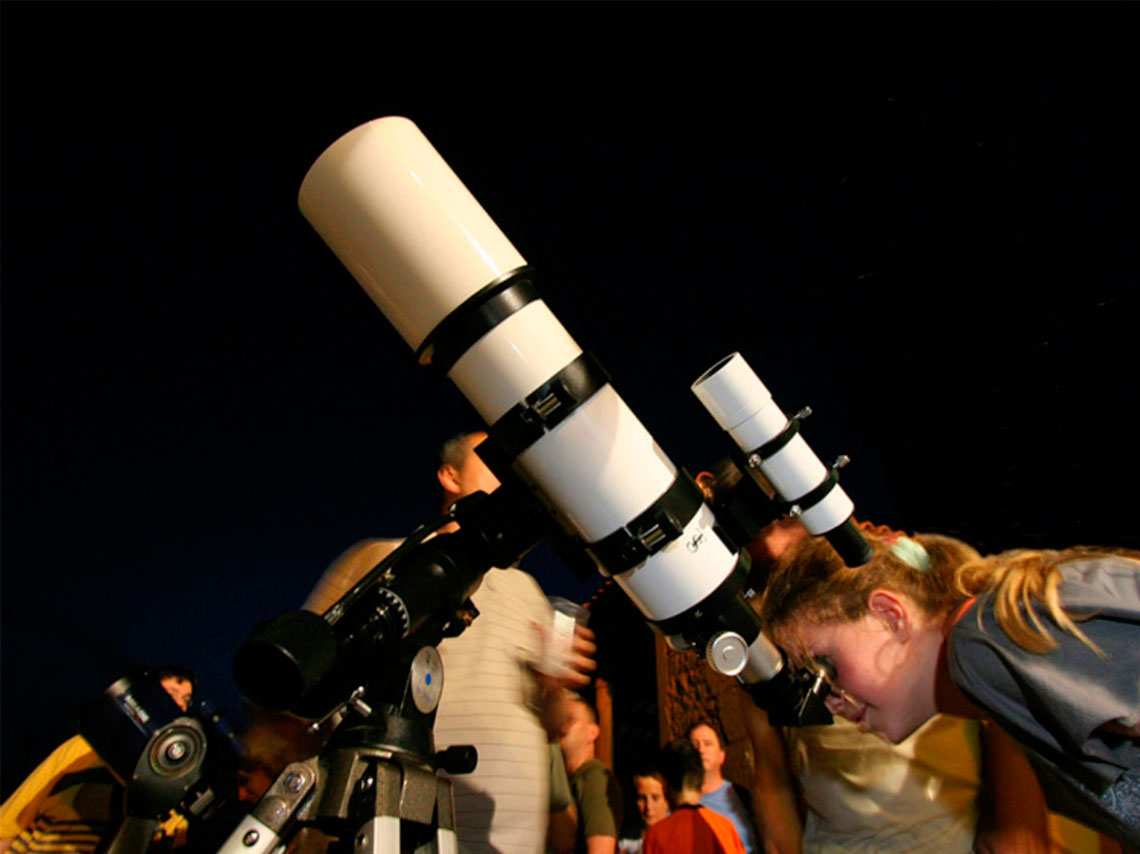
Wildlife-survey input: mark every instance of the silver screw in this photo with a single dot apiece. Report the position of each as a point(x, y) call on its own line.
point(176, 751)
point(294, 781)
point(250, 838)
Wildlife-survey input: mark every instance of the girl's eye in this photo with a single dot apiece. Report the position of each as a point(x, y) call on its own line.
point(826, 671)
point(824, 663)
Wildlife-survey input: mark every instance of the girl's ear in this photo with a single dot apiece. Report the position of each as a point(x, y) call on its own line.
point(888, 607)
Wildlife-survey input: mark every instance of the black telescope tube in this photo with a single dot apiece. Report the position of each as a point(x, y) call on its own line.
point(850, 544)
point(298, 662)
point(304, 663)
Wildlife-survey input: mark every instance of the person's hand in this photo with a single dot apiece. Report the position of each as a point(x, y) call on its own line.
point(582, 664)
point(576, 669)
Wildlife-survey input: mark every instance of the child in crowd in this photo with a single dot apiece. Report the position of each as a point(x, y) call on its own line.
point(652, 806)
point(690, 828)
point(1046, 644)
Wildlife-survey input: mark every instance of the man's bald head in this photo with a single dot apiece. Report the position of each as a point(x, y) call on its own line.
point(462, 472)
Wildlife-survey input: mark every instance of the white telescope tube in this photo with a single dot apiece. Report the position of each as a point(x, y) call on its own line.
point(421, 246)
point(403, 224)
point(743, 406)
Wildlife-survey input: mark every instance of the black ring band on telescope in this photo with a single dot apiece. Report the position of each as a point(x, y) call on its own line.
point(777, 442)
point(712, 606)
point(645, 535)
point(813, 496)
point(548, 406)
point(475, 317)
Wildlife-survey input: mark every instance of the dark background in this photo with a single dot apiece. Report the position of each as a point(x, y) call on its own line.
point(920, 219)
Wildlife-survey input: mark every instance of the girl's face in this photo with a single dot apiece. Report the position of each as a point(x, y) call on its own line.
point(651, 801)
point(884, 665)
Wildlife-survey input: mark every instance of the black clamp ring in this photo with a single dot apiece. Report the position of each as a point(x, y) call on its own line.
point(777, 442)
point(813, 496)
point(547, 406)
point(648, 533)
point(475, 317)
point(709, 608)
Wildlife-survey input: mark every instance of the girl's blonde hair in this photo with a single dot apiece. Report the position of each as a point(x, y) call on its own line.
point(812, 582)
point(1018, 577)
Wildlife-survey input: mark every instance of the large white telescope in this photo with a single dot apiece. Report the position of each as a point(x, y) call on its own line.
point(463, 298)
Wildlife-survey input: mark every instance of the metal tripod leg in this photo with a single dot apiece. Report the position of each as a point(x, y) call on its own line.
point(385, 802)
point(382, 834)
point(273, 819)
point(397, 803)
point(134, 836)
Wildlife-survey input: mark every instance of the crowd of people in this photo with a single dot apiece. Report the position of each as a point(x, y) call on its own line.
point(973, 696)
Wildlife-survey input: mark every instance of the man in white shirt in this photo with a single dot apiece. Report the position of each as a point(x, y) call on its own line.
point(493, 697)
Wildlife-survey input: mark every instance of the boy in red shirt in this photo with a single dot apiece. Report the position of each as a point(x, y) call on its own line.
point(690, 828)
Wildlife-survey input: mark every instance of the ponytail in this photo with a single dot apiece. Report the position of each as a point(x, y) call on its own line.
point(1017, 579)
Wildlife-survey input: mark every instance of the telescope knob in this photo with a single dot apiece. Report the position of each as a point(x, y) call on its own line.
point(458, 759)
point(727, 653)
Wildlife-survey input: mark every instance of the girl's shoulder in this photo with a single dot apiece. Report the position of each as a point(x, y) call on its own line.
point(1101, 585)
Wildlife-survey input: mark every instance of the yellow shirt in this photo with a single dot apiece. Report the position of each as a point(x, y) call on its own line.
point(866, 795)
point(71, 803)
point(68, 804)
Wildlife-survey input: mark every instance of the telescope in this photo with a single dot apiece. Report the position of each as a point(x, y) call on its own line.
point(465, 300)
point(577, 467)
point(164, 757)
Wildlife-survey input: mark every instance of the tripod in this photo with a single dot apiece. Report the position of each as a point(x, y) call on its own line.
point(374, 787)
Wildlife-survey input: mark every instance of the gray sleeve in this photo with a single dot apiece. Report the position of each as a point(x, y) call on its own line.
point(1069, 691)
point(1056, 700)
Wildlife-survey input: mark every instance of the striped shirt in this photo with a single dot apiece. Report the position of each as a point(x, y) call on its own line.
point(491, 700)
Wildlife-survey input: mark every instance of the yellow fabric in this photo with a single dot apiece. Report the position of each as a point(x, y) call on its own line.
point(74, 819)
point(1069, 837)
point(866, 795)
point(77, 817)
point(175, 825)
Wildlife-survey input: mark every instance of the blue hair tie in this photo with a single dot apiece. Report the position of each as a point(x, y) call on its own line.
point(911, 553)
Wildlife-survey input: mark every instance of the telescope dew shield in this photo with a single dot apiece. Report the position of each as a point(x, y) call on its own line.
point(404, 225)
point(742, 405)
point(461, 295)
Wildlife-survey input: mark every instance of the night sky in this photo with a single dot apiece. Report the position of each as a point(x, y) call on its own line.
point(920, 219)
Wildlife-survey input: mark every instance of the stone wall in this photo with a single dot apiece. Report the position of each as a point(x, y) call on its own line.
point(690, 691)
point(657, 694)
